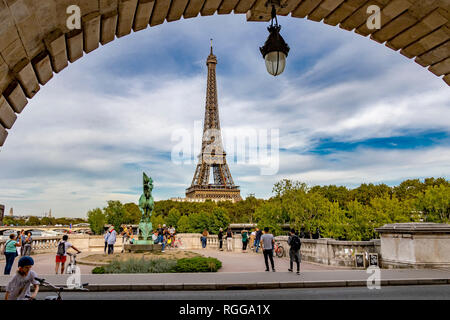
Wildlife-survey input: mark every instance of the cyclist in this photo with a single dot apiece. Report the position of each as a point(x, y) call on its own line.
point(61, 254)
point(19, 286)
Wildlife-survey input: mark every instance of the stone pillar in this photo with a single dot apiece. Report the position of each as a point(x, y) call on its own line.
point(415, 245)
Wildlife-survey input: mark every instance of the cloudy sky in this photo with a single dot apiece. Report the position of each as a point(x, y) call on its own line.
point(347, 111)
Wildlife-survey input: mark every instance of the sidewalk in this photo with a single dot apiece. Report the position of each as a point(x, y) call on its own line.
point(247, 280)
point(239, 271)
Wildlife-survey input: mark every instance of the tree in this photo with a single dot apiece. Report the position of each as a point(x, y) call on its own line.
point(157, 220)
point(219, 220)
point(269, 215)
point(198, 221)
point(132, 213)
point(183, 224)
point(33, 221)
point(115, 214)
point(173, 216)
point(96, 220)
point(435, 203)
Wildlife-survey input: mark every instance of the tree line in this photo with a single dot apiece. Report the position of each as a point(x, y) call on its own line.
point(332, 211)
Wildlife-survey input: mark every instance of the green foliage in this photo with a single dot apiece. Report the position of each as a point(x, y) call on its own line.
point(132, 213)
point(198, 264)
point(96, 220)
point(183, 224)
point(141, 266)
point(219, 219)
point(115, 214)
point(335, 211)
point(172, 217)
point(157, 220)
point(435, 203)
point(132, 265)
point(98, 270)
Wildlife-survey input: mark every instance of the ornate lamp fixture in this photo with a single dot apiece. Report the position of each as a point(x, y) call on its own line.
point(275, 50)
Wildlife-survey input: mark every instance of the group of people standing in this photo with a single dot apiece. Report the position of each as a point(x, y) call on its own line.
point(110, 239)
point(165, 236)
point(17, 244)
point(267, 242)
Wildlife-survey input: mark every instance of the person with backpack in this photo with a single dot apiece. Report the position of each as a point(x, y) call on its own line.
point(10, 252)
point(61, 253)
point(244, 234)
point(294, 251)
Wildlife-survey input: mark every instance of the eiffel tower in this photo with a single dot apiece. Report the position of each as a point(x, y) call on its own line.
point(212, 156)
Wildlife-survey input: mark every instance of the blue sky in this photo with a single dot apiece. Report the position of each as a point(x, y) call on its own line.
point(348, 111)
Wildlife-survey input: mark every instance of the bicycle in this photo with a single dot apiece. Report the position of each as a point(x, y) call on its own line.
point(58, 290)
point(71, 268)
point(279, 250)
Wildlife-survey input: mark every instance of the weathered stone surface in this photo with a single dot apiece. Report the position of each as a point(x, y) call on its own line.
point(209, 7)
point(91, 31)
point(3, 135)
point(160, 11)
point(74, 45)
point(227, 6)
point(176, 10)
point(109, 25)
point(127, 9)
point(55, 43)
point(415, 245)
point(305, 8)
point(43, 67)
point(343, 11)
point(24, 72)
point(441, 68)
point(143, 14)
point(244, 5)
point(324, 9)
point(15, 97)
point(428, 42)
point(7, 115)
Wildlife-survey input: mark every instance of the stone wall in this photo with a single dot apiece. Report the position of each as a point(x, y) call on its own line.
point(334, 252)
point(415, 245)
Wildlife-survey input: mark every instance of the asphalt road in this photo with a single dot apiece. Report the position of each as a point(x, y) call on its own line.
point(430, 292)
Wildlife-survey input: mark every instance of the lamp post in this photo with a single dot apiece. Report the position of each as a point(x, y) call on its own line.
point(275, 49)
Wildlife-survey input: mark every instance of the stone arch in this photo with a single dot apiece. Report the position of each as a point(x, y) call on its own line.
point(35, 42)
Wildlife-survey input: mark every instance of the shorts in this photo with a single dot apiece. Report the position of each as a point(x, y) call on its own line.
point(61, 259)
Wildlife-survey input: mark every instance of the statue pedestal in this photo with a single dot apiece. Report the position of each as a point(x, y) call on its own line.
point(142, 247)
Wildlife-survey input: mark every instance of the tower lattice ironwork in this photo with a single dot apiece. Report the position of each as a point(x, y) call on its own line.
point(213, 155)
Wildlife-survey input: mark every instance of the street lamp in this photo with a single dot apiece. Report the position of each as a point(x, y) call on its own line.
point(275, 50)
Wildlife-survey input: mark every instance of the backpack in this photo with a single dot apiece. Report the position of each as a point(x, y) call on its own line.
point(61, 248)
point(295, 243)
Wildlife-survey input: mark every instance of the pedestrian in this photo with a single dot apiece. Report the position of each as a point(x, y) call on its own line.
point(125, 237)
point(61, 253)
point(294, 250)
point(111, 240)
point(252, 239)
point(155, 237)
point(11, 252)
point(27, 244)
point(18, 287)
point(204, 238)
point(106, 240)
point(244, 234)
point(19, 238)
point(22, 241)
point(267, 245)
point(258, 235)
point(229, 239)
point(220, 237)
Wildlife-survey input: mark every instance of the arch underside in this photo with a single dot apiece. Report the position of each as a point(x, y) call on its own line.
point(35, 42)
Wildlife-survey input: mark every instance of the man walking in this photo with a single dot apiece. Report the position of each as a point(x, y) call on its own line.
point(258, 235)
point(267, 245)
point(111, 240)
point(106, 240)
point(294, 251)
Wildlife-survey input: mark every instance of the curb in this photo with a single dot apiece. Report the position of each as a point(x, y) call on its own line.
point(250, 286)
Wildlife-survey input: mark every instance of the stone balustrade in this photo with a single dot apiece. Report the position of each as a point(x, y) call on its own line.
point(334, 252)
point(325, 251)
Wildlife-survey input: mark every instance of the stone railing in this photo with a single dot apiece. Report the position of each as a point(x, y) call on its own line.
point(324, 251)
point(334, 252)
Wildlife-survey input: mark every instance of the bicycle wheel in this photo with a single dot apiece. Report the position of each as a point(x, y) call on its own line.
point(280, 252)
